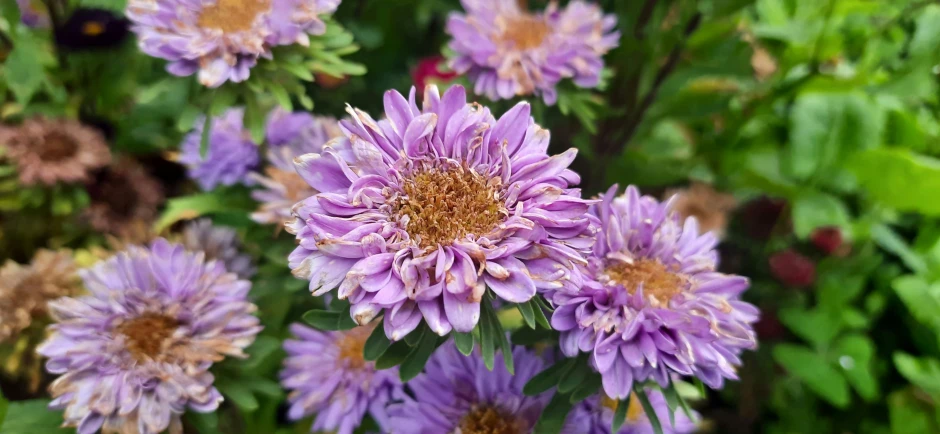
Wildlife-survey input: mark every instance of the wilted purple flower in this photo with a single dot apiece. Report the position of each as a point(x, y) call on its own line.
point(595, 415)
point(441, 204)
point(652, 303)
point(231, 154)
point(289, 135)
point(327, 376)
point(457, 394)
point(507, 51)
point(33, 13)
point(223, 39)
point(135, 352)
point(219, 243)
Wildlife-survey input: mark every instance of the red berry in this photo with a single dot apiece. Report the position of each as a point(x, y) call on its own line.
point(829, 240)
point(792, 268)
point(429, 71)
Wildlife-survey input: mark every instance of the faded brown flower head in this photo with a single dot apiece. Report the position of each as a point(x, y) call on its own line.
point(25, 289)
point(48, 151)
point(709, 207)
point(123, 197)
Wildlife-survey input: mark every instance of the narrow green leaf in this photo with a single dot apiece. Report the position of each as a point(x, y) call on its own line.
point(540, 318)
point(204, 138)
point(282, 97)
point(572, 377)
point(464, 342)
point(554, 415)
point(393, 356)
point(541, 302)
point(205, 423)
point(527, 313)
point(487, 335)
point(648, 408)
point(503, 341)
point(418, 357)
point(590, 386)
point(546, 379)
point(322, 319)
point(413, 338)
point(377, 343)
point(620, 414)
point(672, 401)
point(239, 394)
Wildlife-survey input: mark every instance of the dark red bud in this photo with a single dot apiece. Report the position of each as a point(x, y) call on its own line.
point(792, 268)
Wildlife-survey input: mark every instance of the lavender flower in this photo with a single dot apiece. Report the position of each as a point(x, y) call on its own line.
point(136, 351)
point(507, 51)
point(231, 155)
point(219, 243)
point(289, 135)
point(221, 40)
point(441, 204)
point(457, 394)
point(327, 376)
point(652, 303)
point(32, 13)
point(595, 416)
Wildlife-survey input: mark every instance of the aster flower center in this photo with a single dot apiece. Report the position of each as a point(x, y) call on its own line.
point(488, 420)
point(119, 194)
point(295, 188)
point(526, 31)
point(658, 281)
point(232, 15)
point(634, 410)
point(351, 346)
point(56, 147)
point(438, 206)
point(146, 334)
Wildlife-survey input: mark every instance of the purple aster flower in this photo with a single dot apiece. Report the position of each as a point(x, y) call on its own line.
point(595, 415)
point(507, 51)
point(231, 155)
point(289, 135)
point(457, 394)
point(223, 39)
point(219, 243)
point(135, 352)
point(440, 204)
point(33, 13)
point(652, 303)
point(327, 376)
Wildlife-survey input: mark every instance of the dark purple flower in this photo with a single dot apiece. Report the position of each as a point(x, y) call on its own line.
point(438, 205)
point(652, 304)
point(231, 154)
point(457, 394)
point(595, 416)
point(327, 376)
point(135, 352)
point(289, 135)
point(507, 51)
point(223, 39)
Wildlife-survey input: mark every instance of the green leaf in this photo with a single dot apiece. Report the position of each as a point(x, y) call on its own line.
point(239, 394)
point(264, 386)
point(573, 375)
point(329, 320)
point(620, 414)
point(32, 416)
point(554, 415)
point(414, 338)
point(217, 201)
point(540, 318)
point(921, 298)
point(504, 346)
point(816, 326)
point(922, 372)
point(589, 387)
point(205, 423)
point(910, 414)
point(464, 342)
point(927, 34)
point(854, 354)
point(648, 408)
point(487, 334)
point(263, 348)
point(548, 378)
point(900, 179)
point(23, 70)
point(254, 118)
point(816, 210)
point(887, 239)
point(377, 343)
point(393, 356)
point(815, 371)
point(826, 127)
point(418, 357)
point(527, 313)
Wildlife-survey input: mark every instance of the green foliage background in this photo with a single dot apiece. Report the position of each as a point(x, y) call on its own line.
point(830, 105)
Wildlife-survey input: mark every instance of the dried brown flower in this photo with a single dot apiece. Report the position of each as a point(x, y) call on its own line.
point(709, 207)
point(49, 151)
point(123, 197)
point(25, 289)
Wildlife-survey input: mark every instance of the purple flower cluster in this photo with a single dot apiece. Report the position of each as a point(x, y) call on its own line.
point(439, 204)
point(457, 394)
point(327, 376)
point(221, 40)
point(231, 154)
point(507, 51)
point(289, 135)
point(135, 352)
point(595, 416)
point(652, 303)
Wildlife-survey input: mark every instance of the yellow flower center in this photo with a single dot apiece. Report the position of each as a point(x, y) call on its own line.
point(92, 28)
point(438, 206)
point(658, 281)
point(232, 15)
point(525, 31)
point(295, 188)
point(352, 344)
point(634, 411)
point(146, 334)
point(487, 420)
